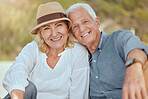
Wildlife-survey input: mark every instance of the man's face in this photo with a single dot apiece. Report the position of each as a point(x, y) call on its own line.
point(84, 28)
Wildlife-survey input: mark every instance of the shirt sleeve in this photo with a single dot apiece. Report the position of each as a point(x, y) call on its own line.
point(80, 74)
point(127, 41)
point(18, 73)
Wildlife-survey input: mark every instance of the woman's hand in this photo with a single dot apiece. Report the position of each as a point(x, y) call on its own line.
point(17, 94)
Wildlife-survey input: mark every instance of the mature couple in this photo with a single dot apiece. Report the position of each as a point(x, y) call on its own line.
point(55, 67)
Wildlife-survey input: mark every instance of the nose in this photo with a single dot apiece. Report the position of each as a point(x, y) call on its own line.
point(54, 32)
point(81, 28)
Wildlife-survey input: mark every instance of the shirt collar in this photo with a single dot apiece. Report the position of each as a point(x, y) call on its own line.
point(103, 34)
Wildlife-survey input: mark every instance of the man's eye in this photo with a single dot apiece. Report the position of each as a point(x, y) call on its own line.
point(74, 26)
point(85, 21)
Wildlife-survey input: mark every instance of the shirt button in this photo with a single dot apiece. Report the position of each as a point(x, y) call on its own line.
point(102, 92)
point(94, 61)
point(100, 50)
point(96, 76)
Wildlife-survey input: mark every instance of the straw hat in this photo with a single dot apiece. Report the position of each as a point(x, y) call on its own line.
point(47, 13)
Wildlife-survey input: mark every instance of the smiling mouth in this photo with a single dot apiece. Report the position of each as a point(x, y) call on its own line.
point(56, 39)
point(85, 34)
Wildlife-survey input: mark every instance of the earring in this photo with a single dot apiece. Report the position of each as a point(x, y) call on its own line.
point(42, 41)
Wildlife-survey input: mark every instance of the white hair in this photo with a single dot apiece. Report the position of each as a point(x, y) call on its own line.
point(83, 5)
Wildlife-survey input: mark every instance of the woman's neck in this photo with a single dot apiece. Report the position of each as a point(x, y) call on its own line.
point(53, 53)
point(52, 57)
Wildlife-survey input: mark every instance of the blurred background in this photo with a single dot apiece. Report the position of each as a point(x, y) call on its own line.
point(18, 17)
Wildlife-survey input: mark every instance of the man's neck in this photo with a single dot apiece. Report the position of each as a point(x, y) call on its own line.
point(94, 45)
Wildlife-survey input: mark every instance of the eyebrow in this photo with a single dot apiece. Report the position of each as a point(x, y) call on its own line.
point(74, 24)
point(45, 25)
point(58, 23)
point(85, 19)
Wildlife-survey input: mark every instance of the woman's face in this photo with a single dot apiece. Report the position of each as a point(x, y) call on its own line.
point(55, 34)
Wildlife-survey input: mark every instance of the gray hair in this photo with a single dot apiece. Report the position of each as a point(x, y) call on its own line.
point(83, 5)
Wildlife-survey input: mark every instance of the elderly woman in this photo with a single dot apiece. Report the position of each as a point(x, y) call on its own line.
point(52, 65)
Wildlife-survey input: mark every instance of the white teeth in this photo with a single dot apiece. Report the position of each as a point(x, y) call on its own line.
point(85, 35)
point(56, 38)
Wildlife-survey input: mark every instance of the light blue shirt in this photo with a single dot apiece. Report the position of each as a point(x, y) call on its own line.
point(107, 63)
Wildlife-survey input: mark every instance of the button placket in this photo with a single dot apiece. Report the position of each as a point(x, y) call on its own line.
point(94, 61)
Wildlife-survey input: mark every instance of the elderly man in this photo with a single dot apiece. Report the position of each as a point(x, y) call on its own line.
point(116, 60)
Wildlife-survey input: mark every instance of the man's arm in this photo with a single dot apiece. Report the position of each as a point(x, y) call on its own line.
point(134, 84)
point(145, 72)
point(17, 94)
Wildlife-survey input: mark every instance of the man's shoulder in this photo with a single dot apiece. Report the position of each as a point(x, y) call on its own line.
point(121, 32)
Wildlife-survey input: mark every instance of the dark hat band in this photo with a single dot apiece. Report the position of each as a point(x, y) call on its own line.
point(50, 17)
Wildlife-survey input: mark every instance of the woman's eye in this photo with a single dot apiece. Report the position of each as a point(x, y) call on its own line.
point(59, 24)
point(46, 28)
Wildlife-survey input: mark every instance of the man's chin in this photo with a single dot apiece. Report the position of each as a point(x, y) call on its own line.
point(84, 43)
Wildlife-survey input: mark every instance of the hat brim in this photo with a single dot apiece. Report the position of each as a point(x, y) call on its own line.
point(35, 29)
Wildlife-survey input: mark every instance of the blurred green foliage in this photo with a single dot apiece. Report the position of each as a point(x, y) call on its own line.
point(128, 13)
point(18, 17)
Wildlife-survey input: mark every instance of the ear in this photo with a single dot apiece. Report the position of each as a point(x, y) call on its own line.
point(97, 19)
